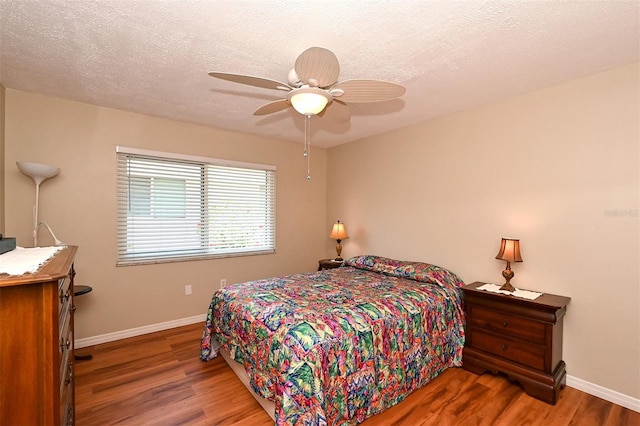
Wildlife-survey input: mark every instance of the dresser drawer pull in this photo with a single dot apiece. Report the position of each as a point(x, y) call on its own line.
point(504, 347)
point(505, 324)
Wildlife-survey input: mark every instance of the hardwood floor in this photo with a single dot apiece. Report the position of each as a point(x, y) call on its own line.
point(158, 379)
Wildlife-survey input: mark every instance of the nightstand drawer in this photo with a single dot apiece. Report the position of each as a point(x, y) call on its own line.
point(521, 352)
point(507, 324)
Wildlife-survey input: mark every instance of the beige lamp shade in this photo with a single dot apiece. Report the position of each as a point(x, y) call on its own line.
point(338, 232)
point(509, 250)
point(38, 172)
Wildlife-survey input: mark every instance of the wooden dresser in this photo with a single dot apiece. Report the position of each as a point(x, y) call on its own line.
point(518, 337)
point(36, 344)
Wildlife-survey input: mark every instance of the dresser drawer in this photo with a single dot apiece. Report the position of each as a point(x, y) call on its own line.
point(66, 397)
point(65, 349)
point(508, 324)
point(64, 299)
point(524, 353)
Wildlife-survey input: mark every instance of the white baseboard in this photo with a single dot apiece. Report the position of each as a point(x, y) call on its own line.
point(138, 331)
point(574, 382)
point(604, 393)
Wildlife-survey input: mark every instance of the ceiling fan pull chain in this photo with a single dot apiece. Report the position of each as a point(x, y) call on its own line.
point(307, 144)
point(307, 134)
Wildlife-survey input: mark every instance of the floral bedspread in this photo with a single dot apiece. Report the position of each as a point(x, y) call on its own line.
point(338, 346)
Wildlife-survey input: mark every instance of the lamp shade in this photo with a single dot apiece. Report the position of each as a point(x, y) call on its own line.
point(509, 250)
point(36, 171)
point(309, 100)
point(338, 232)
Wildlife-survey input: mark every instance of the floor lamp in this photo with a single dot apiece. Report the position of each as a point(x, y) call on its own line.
point(39, 173)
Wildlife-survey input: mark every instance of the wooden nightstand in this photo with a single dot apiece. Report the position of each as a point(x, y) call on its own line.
point(518, 337)
point(328, 264)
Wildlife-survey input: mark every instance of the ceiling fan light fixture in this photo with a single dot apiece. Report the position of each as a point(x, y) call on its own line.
point(312, 86)
point(309, 100)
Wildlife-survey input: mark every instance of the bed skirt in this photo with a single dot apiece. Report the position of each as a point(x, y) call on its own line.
point(268, 406)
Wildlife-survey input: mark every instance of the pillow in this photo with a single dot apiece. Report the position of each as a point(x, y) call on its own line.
point(417, 271)
point(362, 262)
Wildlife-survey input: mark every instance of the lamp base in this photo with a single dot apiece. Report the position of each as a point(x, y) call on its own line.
point(508, 274)
point(508, 287)
point(338, 259)
point(338, 251)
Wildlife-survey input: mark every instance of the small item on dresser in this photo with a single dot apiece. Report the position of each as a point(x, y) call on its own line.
point(7, 244)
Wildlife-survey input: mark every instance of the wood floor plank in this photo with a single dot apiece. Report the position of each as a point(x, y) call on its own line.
point(621, 416)
point(592, 412)
point(158, 379)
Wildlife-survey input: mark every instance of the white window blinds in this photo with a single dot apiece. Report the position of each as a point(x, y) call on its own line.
point(175, 207)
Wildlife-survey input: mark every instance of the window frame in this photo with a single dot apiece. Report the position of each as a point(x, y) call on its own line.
point(125, 256)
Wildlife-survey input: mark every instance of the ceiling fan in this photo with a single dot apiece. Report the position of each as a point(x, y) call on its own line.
point(313, 89)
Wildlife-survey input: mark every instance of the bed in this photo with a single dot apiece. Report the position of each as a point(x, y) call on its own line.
point(340, 345)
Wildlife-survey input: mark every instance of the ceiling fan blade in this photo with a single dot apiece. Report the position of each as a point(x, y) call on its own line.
point(272, 107)
point(318, 66)
point(365, 91)
point(251, 81)
point(337, 111)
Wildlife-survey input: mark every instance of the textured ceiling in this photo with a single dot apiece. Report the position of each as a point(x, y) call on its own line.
point(153, 56)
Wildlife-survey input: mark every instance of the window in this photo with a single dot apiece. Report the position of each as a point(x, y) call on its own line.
point(176, 207)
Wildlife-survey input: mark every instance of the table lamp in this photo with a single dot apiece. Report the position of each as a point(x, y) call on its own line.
point(509, 251)
point(338, 233)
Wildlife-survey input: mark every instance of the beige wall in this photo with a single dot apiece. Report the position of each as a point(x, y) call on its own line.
point(2, 202)
point(80, 206)
point(557, 168)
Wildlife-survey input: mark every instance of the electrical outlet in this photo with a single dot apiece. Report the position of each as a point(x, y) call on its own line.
point(223, 282)
point(187, 290)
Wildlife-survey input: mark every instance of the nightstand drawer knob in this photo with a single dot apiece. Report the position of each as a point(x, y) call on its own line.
point(505, 324)
point(504, 347)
